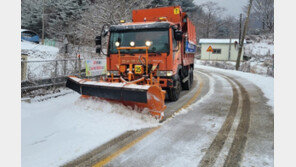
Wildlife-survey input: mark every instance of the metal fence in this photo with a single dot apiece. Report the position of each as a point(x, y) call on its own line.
point(45, 73)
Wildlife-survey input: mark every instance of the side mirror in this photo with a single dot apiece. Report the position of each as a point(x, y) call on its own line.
point(178, 35)
point(98, 40)
point(105, 32)
point(98, 50)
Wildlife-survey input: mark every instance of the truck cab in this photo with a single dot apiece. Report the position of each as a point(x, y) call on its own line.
point(146, 59)
point(160, 42)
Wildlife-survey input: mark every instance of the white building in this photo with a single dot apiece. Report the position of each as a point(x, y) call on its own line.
point(222, 49)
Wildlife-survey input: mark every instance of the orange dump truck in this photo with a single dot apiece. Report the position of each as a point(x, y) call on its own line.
point(146, 58)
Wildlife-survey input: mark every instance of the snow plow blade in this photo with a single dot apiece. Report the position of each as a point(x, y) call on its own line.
point(140, 96)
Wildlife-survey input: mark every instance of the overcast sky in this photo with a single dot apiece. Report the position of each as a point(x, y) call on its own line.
point(233, 7)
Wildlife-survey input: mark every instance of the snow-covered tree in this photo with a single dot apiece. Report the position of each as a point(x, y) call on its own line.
point(102, 13)
point(31, 15)
point(57, 15)
point(186, 5)
point(81, 20)
point(60, 13)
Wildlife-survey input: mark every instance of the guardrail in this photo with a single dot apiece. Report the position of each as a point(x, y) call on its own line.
point(38, 74)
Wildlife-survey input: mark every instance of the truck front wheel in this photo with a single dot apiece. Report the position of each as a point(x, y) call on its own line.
point(188, 84)
point(174, 93)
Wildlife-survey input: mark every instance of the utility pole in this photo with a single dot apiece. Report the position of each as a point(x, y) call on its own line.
point(240, 26)
point(42, 40)
point(243, 37)
point(229, 47)
point(208, 25)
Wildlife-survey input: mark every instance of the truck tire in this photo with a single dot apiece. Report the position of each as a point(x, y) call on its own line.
point(188, 84)
point(174, 93)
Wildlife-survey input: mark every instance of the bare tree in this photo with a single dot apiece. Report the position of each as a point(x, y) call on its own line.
point(228, 27)
point(264, 12)
point(208, 22)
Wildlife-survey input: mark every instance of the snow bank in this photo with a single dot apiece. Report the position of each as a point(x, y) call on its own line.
point(61, 129)
point(266, 84)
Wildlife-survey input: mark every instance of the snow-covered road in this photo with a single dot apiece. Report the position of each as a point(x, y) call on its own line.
point(229, 125)
point(209, 132)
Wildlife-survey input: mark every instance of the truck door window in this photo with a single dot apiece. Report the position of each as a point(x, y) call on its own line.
point(174, 41)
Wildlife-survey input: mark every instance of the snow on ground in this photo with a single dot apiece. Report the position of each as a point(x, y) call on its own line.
point(60, 129)
point(261, 52)
point(42, 66)
point(265, 83)
point(259, 48)
point(38, 51)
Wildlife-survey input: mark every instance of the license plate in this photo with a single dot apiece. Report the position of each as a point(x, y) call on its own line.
point(138, 69)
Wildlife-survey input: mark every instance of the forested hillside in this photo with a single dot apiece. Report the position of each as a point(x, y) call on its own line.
point(81, 20)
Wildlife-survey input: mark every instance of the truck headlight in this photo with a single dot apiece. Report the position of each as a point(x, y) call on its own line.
point(117, 43)
point(169, 73)
point(132, 43)
point(148, 43)
point(164, 73)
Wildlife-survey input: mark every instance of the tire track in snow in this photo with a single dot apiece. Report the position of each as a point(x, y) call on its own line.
point(239, 142)
point(216, 146)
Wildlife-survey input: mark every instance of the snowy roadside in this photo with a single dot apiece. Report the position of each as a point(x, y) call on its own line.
point(266, 84)
point(38, 51)
point(60, 129)
point(259, 55)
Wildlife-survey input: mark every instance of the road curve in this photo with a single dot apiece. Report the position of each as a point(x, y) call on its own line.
point(223, 121)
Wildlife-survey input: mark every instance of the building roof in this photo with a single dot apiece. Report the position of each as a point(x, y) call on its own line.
point(220, 41)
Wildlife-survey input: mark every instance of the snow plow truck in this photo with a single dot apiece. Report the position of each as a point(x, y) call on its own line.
point(146, 59)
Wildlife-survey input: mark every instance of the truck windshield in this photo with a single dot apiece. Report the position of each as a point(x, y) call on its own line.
point(159, 39)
